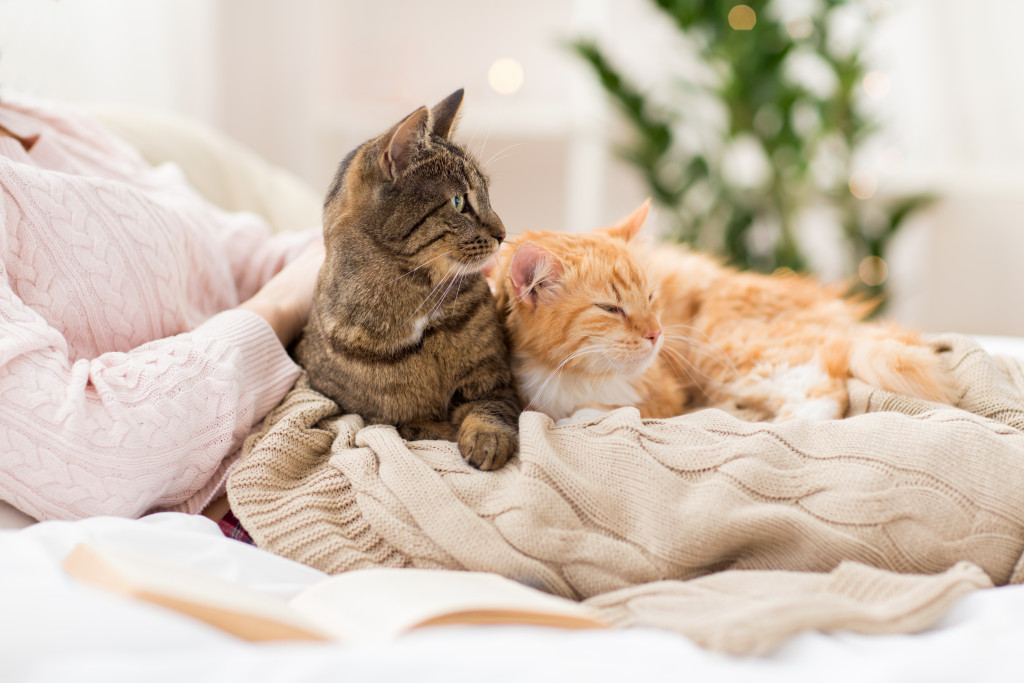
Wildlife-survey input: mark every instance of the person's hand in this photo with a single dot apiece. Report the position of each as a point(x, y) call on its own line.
point(286, 299)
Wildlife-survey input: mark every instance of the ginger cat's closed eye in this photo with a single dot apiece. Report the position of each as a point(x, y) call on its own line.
point(599, 319)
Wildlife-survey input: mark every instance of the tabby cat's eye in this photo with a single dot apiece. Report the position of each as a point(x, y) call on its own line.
point(609, 308)
point(459, 203)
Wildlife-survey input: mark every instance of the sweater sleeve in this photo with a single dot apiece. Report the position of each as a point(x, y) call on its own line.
point(125, 433)
point(255, 255)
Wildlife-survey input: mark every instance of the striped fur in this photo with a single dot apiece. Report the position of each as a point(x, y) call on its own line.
point(404, 329)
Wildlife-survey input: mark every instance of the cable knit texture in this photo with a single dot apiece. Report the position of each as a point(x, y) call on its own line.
point(125, 383)
point(737, 534)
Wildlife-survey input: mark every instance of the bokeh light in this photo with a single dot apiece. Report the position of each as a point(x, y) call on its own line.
point(876, 84)
point(742, 18)
point(863, 184)
point(505, 76)
point(873, 271)
point(801, 28)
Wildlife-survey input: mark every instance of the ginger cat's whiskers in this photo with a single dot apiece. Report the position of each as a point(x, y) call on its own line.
point(688, 328)
point(695, 378)
point(711, 352)
point(596, 348)
point(576, 354)
point(704, 345)
point(579, 377)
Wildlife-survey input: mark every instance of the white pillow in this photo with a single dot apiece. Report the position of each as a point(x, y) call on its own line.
point(224, 171)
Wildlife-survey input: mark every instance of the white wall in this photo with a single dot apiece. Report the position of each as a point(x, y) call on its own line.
point(304, 81)
point(954, 112)
point(152, 52)
point(366, 65)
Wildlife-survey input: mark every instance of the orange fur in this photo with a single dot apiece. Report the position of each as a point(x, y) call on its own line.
point(599, 319)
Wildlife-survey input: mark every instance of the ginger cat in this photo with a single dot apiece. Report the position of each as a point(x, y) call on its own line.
point(599, 319)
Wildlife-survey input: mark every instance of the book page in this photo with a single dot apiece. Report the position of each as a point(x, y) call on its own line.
point(239, 610)
point(377, 604)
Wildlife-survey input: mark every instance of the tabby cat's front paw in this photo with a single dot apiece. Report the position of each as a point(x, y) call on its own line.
point(486, 445)
point(426, 431)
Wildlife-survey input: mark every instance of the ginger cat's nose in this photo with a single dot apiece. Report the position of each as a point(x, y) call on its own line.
point(653, 335)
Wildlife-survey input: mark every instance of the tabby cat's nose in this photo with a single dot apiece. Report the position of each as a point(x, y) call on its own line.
point(497, 230)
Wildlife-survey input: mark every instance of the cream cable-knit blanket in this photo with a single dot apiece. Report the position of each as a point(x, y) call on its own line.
point(736, 534)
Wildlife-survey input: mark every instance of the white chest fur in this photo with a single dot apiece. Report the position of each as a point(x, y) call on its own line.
point(560, 394)
point(418, 325)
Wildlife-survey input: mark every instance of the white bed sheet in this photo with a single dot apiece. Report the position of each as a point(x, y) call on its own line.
point(54, 630)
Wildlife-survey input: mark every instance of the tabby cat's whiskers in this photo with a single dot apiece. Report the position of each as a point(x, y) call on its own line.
point(462, 279)
point(440, 300)
point(422, 264)
point(430, 296)
point(487, 135)
point(501, 154)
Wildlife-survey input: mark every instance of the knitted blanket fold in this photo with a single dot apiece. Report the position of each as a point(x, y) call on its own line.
point(735, 534)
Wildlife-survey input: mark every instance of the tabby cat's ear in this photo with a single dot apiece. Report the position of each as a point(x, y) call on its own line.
point(534, 272)
point(400, 144)
point(443, 114)
point(629, 226)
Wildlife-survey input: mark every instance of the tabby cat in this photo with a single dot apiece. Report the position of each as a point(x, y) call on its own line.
point(403, 328)
point(600, 319)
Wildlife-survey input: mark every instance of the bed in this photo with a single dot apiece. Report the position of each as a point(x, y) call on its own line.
point(54, 629)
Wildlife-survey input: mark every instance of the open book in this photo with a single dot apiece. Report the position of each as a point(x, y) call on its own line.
point(365, 604)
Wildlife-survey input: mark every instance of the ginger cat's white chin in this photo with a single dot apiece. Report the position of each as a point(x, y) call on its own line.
point(630, 367)
point(559, 395)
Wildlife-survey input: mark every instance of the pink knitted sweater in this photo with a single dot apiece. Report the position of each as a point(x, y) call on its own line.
point(125, 383)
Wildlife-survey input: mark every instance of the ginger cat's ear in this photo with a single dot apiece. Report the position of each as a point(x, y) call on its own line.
point(533, 272)
point(400, 144)
point(629, 226)
point(443, 114)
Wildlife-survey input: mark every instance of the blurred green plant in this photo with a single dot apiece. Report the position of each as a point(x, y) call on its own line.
point(800, 135)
